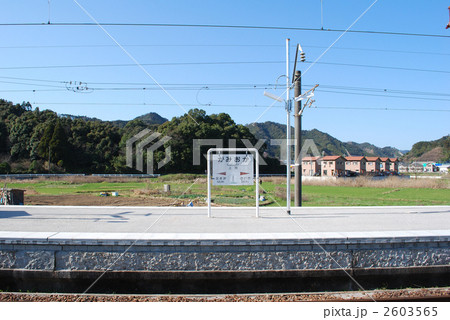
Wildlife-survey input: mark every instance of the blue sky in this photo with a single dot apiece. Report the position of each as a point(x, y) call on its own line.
point(228, 69)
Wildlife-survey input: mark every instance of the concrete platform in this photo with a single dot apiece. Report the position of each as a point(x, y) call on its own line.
point(228, 226)
point(66, 242)
point(225, 220)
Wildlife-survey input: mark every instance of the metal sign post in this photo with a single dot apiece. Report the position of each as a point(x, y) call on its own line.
point(232, 169)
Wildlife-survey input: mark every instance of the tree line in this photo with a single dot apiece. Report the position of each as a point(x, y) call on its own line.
point(35, 141)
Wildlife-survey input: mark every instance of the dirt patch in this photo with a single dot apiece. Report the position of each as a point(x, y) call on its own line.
point(91, 200)
point(423, 294)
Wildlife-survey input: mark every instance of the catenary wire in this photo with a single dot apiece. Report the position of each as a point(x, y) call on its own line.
point(238, 106)
point(217, 26)
point(387, 93)
point(219, 63)
point(219, 45)
point(232, 86)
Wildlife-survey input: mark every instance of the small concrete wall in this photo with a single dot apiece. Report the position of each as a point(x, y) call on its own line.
point(324, 178)
point(229, 255)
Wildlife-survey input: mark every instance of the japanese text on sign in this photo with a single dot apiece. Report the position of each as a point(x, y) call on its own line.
point(232, 169)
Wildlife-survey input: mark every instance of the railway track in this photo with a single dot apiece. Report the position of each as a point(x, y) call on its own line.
point(400, 295)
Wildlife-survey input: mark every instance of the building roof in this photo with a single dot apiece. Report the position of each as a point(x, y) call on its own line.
point(310, 158)
point(384, 159)
point(372, 158)
point(331, 158)
point(393, 159)
point(355, 158)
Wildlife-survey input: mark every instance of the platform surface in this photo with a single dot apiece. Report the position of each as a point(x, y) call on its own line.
point(41, 222)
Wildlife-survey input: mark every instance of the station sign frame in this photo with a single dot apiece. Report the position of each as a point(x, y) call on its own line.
point(231, 167)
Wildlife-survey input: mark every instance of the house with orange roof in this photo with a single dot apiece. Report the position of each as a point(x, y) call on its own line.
point(332, 166)
point(311, 166)
point(394, 164)
point(355, 164)
point(373, 164)
point(385, 164)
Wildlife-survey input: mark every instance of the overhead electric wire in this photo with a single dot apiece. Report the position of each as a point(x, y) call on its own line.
point(219, 45)
point(377, 92)
point(219, 63)
point(32, 84)
point(231, 86)
point(385, 96)
point(216, 26)
point(236, 106)
point(219, 86)
point(28, 79)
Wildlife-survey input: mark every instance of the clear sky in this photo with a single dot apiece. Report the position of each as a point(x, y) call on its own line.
point(385, 89)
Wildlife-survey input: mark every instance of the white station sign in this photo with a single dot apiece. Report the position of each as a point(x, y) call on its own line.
point(232, 169)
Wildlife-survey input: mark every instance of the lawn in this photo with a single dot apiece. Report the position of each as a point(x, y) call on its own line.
point(194, 187)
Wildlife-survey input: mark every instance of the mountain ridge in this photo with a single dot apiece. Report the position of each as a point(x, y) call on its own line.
point(326, 144)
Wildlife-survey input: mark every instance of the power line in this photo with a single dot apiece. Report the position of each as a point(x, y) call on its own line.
point(219, 63)
point(385, 96)
point(222, 86)
point(385, 109)
point(143, 64)
point(250, 86)
point(380, 67)
point(28, 79)
point(217, 26)
point(32, 84)
point(386, 93)
point(219, 45)
point(237, 106)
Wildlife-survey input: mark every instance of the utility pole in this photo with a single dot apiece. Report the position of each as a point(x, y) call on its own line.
point(298, 139)
point(288, 133)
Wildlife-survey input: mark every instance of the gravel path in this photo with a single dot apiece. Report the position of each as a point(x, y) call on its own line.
point(443, 294)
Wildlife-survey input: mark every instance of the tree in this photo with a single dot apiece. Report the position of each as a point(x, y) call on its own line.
point(58, 144)
point(5, 168)
point(196, 124)
point(20, 132)
point(44, 143)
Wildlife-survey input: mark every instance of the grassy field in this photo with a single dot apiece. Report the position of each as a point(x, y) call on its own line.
point(359, 192)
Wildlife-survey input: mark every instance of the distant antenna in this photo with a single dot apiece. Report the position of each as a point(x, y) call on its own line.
point(448, 24)
point(48, 12)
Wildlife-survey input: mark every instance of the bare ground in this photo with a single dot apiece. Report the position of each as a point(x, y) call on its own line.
point(422, 294)
point(91, 200)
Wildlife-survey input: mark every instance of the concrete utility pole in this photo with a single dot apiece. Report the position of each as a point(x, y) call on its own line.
point(298, 139)
point(288, 133)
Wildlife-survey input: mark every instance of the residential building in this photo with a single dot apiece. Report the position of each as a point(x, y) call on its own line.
point(373, 164)
point(403, 167)
point(385, 164)
point(415, 167)
point(311, 166)
point(355, 164)
point(430, 167)
point(394, 164)
point(332, 166)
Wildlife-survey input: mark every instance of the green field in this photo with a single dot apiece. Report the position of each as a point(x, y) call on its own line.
point(194, 187)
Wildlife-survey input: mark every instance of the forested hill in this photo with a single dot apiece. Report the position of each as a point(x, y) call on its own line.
point(325, 143)
point(35, 141)
point(151, 118)
point(436, 151)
